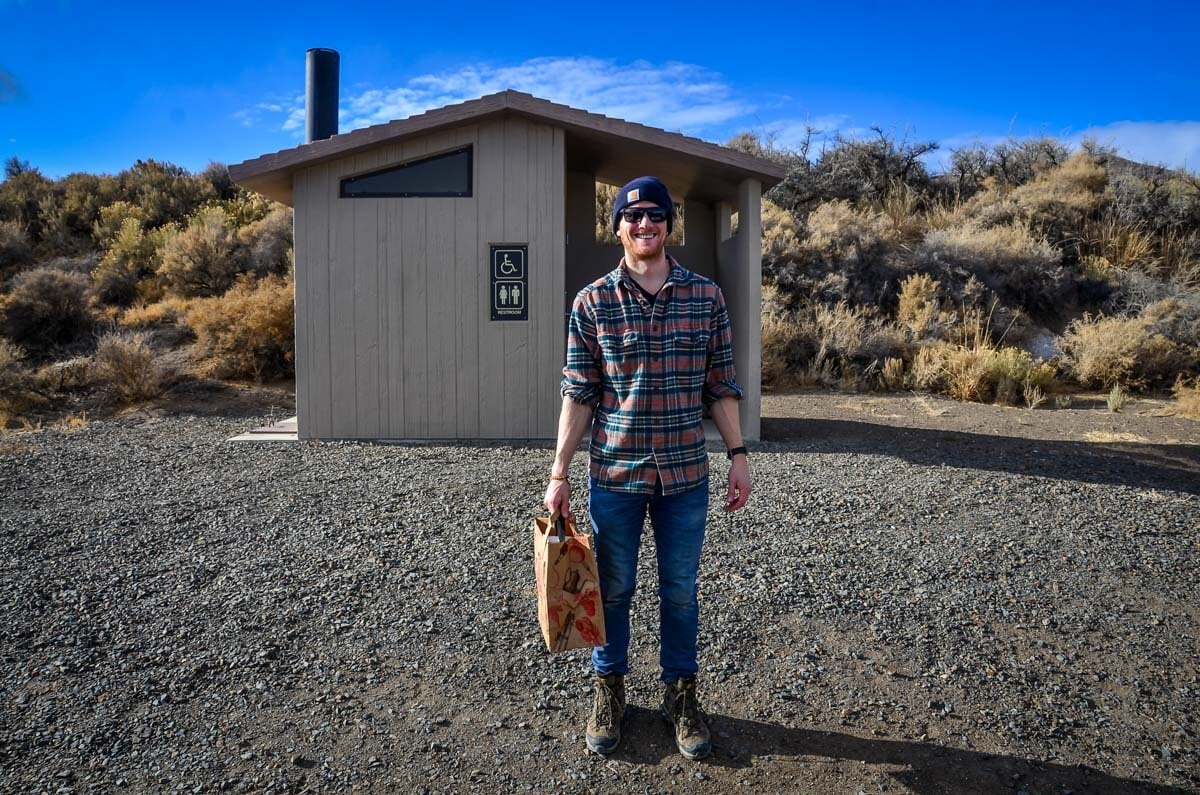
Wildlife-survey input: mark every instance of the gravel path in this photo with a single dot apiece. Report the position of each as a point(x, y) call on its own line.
point(900, 611)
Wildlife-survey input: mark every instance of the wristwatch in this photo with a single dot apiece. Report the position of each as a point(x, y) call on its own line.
point(731, 453)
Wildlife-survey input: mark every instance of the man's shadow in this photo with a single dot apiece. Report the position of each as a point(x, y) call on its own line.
point(927, 768)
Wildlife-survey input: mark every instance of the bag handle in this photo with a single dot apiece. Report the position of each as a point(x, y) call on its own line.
point(560, 525)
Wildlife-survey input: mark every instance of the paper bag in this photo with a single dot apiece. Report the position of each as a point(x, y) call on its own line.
point(570, 608)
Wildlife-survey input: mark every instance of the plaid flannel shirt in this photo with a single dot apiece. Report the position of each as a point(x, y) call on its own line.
point(648, 371)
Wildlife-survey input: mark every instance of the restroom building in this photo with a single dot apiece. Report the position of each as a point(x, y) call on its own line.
point(437, 256)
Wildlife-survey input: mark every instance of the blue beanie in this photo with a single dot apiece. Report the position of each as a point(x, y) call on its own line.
point(643, 189)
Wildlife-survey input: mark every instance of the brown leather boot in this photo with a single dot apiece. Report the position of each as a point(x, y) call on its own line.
point(681, 709)
point(604, 727)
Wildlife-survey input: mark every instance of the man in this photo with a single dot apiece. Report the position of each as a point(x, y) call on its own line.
point(648, 346)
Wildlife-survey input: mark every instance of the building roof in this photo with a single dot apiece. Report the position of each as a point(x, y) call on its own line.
point(612, 149)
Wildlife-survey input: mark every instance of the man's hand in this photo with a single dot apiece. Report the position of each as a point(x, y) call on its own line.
point(558, 498)
point(739, 483)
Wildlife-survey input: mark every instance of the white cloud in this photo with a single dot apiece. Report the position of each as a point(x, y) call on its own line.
point(1175, 144)
point(673, 96)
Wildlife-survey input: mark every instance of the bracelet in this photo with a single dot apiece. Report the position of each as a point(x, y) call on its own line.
point(559, 477)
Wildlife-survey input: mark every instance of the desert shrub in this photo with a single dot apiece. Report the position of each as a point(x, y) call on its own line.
point(1156, 199)
point(14, 248)
point(245, 208)
point(163, 191)
point(1187, 398)
point(991, 209)
point(867, 169)
point(47, 307)
point(203, 259)
point(823, 344)
point(268, 242)
point(22, 194)
point(979, 373)
point(131, 257)
point(1151, 349)
point(1019, 268)
point(918, 304)
point(1058, 200)
point(838, 230)
point(111, 220)
point(249, 332)
point(16, 395)
point(1013, 162)
point(217, 175)
point(65, 376)
point(781, 336)
point(165, 311)
point(124, 365)
point(780, 237)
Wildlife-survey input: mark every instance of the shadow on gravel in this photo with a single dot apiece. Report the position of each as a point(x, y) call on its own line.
point(1172, 467)
point(925, 767)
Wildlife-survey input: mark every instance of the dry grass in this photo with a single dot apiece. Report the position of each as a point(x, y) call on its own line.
point(892, 377)
point(124, 364)
point(249, 332)
point(1063, 197)
point(74, 422)
point(780, 234)
point(990, 248)
point(837, 229)
point(901, 208)
point(1110, 437)
point(168, 310)
point(1120, 245)
point(1187, 398)
point(1117, 398)
point(1034, 395)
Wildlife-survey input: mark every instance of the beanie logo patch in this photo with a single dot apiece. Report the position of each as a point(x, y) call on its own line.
point(633, 195)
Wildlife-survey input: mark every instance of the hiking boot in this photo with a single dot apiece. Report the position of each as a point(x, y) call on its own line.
point(681, 709)
point(604, 727)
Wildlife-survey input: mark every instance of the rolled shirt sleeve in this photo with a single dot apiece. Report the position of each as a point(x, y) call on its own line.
point(720, 380)
point(581, 375)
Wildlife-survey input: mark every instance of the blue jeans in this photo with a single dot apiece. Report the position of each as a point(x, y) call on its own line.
point(678, 521)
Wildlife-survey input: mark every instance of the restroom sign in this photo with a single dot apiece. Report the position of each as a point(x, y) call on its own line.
point(510, 282)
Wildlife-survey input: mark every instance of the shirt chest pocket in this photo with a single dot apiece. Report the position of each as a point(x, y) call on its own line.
point(689, 350)
point(623, 355)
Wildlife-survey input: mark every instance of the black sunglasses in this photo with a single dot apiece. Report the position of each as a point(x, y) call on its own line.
point(656, 215)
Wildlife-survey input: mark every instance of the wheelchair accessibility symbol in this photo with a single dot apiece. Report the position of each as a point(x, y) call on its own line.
point(510, 282)
point(508, 264)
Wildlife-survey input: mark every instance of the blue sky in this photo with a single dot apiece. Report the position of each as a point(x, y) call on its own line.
point(94, 87)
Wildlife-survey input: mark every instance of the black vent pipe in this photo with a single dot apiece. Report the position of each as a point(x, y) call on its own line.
point(321, 94)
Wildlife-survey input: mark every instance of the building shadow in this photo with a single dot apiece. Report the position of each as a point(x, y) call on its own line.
point(1171, 467)
point(925, 768)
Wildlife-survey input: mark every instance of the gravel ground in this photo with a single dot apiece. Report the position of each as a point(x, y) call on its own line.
point(899, 609)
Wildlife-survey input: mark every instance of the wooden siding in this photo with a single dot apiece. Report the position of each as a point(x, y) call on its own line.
point(394, 338)
point(739, 272)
